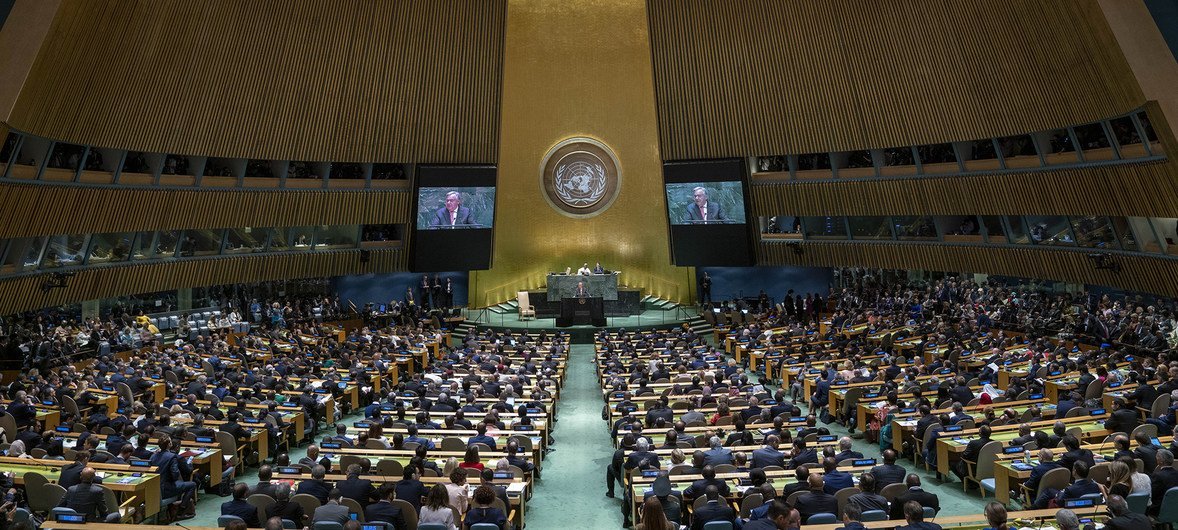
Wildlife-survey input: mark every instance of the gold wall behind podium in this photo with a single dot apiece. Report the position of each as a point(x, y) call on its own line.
point(579, 69)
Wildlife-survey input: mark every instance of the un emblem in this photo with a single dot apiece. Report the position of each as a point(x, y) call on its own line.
point(580, 177)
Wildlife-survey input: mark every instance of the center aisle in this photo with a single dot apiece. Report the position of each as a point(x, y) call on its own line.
point(572, 493)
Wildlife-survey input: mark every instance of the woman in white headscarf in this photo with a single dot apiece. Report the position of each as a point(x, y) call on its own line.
point(17, 450)
point(989, 394)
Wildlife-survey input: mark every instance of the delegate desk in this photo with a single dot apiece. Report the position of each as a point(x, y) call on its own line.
point(1039, 519)
point(140, 483)
point(1011, 469)
point(904, 421)
point(1091, 427)
point(642, 482)
point(206, 456)
point(516, 486)
point(48, 415)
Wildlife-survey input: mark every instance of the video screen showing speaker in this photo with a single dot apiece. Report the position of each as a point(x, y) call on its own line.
point(454, 209)
point(706, 212)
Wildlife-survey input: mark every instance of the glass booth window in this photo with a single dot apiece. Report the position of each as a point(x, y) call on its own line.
point(915, 228)
point(869, 228)
point(1018, 232)
point(302, 237)
point(64, 251)
point(824, 227)
point(110, 248)
point(341, 236)
point(246, 240)
point(1015, 146)
point(1060, 141)
point(1050, 230)
point(200, 243)
point(1092, 136)
point(936, 154)
point(66, 156)
point(24, 253)
point(1125, 131)
point(279, 239)
point(1094, 232)
point(995, 232)
point(167, 241)
point(1125, 232)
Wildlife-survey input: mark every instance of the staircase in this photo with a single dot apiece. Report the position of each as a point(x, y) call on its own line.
point(700, 326)
point(458, 335)
point(510, 306)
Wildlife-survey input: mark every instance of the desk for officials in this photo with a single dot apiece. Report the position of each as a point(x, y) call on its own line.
point(604, 286)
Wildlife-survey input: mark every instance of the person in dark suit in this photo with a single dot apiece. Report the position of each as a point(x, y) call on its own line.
point(1122, 518)
point(714, 510)
point(581, 291)
point(802, 475)
point(834, 479)
point(316, 487)
point(264, 486)
point(1123, 418)
point(240, 508)
point(915, 493)
point(641, 457)
point(1146, 451)
point(453, 214)
point(86, 497)
point(868, 497)
point(284, 508)
point(698, 487)
point(768, 455)
point(385, 511)
point(778, 516)
point(356, 488)
point(172, 483)
point(914, 516)
point(701, 209)
point(482, 437)
point(1046, 463)
point(802, 455)
point(852, 515)
point(1081, 485)
point(1073, 453)
point(411, 490)
point(926, 419)
point(972, 450)
point(71, 475)
point(845, 452)
point(888, 473)
point(1067, 403)
point(816, 500)
point(1162, 479)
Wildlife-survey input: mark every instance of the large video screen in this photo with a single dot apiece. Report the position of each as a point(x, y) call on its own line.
point(693, 203)
point(455, 212)
point(706, 213)
point(455, 208)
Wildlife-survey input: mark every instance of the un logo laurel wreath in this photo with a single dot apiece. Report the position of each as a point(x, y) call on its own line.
point(580, 177)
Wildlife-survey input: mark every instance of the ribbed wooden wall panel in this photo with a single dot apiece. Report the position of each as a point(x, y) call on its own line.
point(1146, 189)
point(24, 293)
point(80, 210)
point(759, 77)
point(1139, 273)
point(347, 80)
